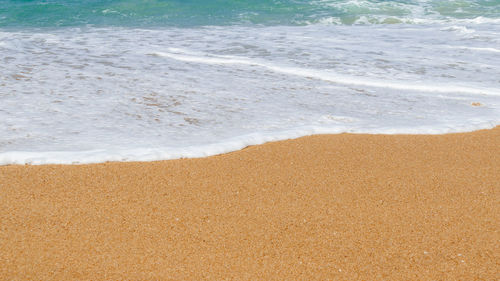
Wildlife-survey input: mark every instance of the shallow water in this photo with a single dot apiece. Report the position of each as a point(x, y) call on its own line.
point(87, 88)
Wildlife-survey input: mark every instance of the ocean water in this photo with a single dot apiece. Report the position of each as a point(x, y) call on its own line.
point(140, 80)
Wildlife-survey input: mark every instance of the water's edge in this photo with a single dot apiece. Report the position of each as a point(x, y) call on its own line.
point(163, 154)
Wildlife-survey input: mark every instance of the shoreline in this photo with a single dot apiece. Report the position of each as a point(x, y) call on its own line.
point(346, 206)
point(141, 155)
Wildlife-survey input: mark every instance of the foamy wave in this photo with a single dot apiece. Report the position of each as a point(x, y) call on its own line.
point(389, 19)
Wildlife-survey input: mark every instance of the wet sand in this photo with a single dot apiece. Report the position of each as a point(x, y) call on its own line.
point(340, 207)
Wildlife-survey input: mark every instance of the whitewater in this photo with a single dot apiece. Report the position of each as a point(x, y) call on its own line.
point(89, 88)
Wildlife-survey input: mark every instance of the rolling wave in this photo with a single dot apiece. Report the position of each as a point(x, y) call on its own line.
point(157, 13)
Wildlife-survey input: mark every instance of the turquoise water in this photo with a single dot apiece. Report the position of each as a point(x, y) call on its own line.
point(182, 13)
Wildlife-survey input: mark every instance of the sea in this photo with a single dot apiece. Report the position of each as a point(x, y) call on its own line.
point(89, 81)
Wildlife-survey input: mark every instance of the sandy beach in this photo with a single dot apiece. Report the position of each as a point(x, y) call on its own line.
point(338, 207)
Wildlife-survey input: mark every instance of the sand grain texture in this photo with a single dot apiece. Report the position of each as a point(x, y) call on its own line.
point(340, 207)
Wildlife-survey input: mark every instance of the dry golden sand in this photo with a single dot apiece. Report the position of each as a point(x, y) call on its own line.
point(341, 207)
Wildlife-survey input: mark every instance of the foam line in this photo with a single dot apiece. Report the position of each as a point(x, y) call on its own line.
point(323, 75)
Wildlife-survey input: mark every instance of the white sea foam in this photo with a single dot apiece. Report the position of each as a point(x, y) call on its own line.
point(493, 50)
point(91, 95)
point(459, 29)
